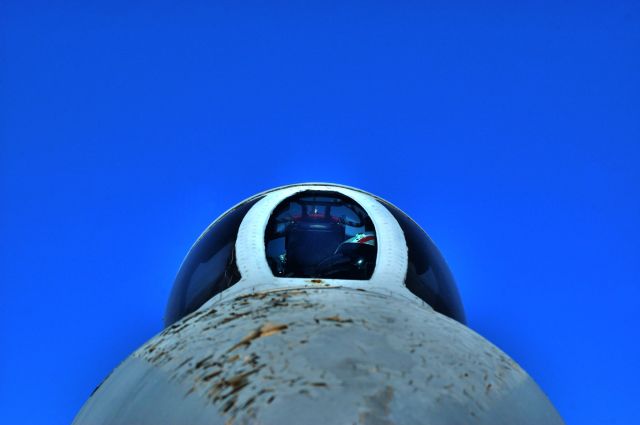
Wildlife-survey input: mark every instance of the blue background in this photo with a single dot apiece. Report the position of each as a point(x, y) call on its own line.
point(510, 133)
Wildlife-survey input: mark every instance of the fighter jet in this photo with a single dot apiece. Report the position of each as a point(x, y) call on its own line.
point(316, 304)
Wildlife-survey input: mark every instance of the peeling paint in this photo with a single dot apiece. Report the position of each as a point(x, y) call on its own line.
point(377, 408)
point(264, 330)
point(337, 319)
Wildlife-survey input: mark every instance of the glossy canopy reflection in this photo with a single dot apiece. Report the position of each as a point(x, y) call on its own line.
point(210, 267)
point(428, 276)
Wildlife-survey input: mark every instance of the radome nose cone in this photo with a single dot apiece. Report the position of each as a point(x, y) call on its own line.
point(319, 356)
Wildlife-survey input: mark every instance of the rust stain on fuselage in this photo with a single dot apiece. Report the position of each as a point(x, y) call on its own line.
point(265, 330)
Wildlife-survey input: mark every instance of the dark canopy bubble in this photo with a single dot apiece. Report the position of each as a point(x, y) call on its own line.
point(210, 267)
point(428, 275)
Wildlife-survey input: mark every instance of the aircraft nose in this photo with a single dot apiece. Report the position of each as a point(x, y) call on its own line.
point(321, 356)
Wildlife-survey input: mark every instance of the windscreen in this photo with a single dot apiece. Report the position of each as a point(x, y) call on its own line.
point(321, 234)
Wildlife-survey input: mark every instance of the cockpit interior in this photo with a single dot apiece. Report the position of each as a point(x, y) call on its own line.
point(324, 234)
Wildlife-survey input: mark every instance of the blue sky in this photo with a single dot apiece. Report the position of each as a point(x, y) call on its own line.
point(510, 132)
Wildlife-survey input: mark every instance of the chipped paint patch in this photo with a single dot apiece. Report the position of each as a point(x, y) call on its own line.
point(337, 319)
point(265, 330)
point(377, 412)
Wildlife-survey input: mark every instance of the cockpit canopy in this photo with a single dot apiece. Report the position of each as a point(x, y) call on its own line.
point(320, 234)
point(311, 234)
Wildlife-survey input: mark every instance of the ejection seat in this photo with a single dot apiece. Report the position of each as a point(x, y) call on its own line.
point(309, 240)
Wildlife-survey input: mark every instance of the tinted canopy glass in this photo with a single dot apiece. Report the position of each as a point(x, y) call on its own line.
point(428, 275)
point(321, 234)
point(210, 267)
